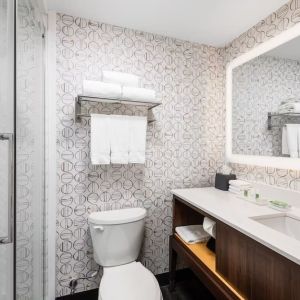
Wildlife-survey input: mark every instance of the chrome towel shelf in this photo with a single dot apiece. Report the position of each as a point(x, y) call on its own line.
point(275, 114)
point(80, 98)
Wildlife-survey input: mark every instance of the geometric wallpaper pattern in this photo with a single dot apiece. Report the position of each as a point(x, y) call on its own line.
point(259, 86)
point(184, 146)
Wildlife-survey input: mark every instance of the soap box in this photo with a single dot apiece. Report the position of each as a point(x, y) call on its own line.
point(222, 181)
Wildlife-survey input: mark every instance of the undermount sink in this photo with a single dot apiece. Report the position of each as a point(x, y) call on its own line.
point(283, 222)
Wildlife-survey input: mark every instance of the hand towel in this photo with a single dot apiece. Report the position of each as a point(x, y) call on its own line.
point(284, 142)
point(192, 234)
point(138, 94)
point(209, 226)
point(137, 139)
point(101, 89)
point(119, 139)
point(292, 139)
point(100, 145)
point(239, 183)
point(125, 79)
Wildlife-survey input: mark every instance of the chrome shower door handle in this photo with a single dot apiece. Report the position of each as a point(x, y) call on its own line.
point(8, 137)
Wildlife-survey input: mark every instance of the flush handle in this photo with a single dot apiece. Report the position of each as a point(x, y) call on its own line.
point(99, 228)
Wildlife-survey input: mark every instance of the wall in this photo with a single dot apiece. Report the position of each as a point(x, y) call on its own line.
point(184, 146)
point(259, 86)
point(284, 18)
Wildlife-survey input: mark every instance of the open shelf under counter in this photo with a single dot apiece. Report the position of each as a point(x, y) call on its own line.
point(207, 263)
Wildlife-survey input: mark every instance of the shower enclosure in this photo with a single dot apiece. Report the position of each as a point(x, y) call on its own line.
point(21, 150)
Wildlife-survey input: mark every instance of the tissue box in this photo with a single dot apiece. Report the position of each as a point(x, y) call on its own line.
point(222, 181)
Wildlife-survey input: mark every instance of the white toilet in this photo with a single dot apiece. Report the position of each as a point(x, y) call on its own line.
point(117, 238)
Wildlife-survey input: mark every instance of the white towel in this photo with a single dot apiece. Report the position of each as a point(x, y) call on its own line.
point(289, 108)
point(125, 79)
point(101, 89)
point(239, 183)
point(233, 188)
point(138, 94)
point(100, 145)
point(192, 234)
point(209, 226)
point(234, 191)
point(137, 139)
point(119, 139)
point(292, 139)
point(284, 143)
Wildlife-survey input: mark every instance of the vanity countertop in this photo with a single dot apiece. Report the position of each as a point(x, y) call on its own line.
point(236, 212)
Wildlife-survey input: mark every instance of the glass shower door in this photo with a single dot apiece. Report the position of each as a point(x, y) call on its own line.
point(6, 149)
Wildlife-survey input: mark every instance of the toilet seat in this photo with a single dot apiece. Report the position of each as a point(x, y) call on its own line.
point(129, 282)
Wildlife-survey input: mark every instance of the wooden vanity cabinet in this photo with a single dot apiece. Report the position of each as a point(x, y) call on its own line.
point(241, 268)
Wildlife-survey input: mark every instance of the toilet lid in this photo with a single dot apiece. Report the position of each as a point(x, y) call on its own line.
point(129, 282)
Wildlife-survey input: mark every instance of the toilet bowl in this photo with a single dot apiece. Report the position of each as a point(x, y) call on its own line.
point(117, 238)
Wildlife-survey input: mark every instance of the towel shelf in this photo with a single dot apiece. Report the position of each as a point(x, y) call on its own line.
point(80, 98)
point(276, 114)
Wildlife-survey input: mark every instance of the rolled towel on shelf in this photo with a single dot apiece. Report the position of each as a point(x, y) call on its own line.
point(100, 89)
point(124, 79)
point(138, 94)
point(192, 234)
point(289, 108)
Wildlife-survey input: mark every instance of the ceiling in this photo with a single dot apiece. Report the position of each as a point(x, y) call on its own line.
point(211, 22)
point(290, 50)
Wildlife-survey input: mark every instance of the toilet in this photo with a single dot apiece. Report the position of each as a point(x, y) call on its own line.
point(117, 237)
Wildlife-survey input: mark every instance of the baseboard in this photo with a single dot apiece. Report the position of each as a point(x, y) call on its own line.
point(163, 280)
point(91, 295)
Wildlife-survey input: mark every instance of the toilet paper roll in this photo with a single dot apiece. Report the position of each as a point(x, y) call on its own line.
point(210, 227)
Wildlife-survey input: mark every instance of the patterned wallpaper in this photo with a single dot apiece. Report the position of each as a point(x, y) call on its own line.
point(184, 146)
point(259, 86)
point(286, 17)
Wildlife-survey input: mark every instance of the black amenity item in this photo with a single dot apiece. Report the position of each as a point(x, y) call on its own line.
point(222, 181)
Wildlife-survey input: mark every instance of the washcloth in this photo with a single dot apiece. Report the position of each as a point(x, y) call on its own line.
point(209, 226)
point(137, 139)
point(119, 139)
point(239, 183)
point(124, 79)
point(138, 94)
point(192, 234)
point(100, 144)
point(101, 89)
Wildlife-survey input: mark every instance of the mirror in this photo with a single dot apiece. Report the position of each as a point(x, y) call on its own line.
point(263, 101)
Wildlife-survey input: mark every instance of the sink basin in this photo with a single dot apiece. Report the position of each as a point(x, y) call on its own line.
point(284, 223)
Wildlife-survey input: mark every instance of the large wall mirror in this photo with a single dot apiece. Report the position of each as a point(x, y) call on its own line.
point(263, 103)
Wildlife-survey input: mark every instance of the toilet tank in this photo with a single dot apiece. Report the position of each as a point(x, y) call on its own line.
point(117, 235)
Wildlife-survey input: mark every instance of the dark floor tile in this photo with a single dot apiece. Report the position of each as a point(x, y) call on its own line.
point(191, 289)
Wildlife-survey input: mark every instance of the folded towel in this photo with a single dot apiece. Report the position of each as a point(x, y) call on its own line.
point(125, 79)
point(235, 191)
point(289, 108)
point(290, 100)
point(292, 139)
point(101, 89)
point(138, 94)
point(192, 234)
point(284, 143)
point(100, 145)
point(137, 139)
point(238, 189)
point(119, 139)
point(209, 226)
point(239, 183)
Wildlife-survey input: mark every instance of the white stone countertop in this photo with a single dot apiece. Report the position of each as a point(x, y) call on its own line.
point(237, 213)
